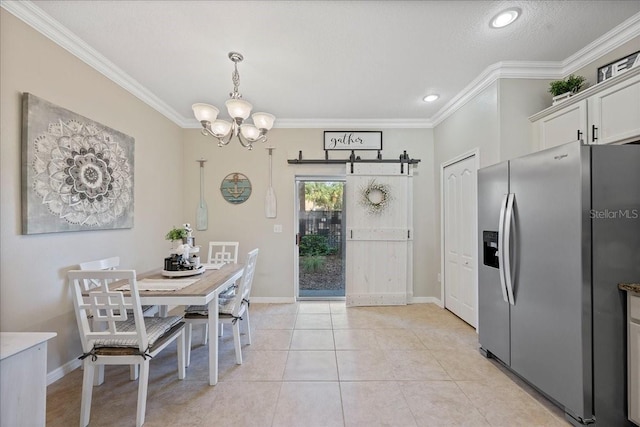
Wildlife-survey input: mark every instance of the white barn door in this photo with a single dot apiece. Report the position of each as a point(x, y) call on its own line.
point(379, 259)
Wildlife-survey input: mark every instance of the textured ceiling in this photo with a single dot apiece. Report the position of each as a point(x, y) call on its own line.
point(326, 60)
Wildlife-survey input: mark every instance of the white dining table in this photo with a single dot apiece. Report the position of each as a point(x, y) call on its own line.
point(204, 291)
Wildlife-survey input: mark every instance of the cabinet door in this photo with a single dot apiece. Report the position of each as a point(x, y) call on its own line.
point(634, 372)
point(614, 113)
point(566, 125)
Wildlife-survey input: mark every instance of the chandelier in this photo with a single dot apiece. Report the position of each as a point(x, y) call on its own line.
point(239, 110)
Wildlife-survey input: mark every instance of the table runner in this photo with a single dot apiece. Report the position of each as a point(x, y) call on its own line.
point(160, 284)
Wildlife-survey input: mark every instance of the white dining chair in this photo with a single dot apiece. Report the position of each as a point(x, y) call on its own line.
point(231, 310)
point(129, 338)
point(111, 263)
point(223, 252)
point(219, 253)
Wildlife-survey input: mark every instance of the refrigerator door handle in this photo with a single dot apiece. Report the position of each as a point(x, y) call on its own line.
point(509, 223)
point(501, 248)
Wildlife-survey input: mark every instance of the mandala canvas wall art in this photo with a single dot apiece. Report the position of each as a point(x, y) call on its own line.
point(77, 174)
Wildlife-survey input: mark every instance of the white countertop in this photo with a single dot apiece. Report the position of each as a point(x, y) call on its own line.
point(14, 342)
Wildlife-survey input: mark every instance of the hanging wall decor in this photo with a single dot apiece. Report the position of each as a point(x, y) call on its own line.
point(353, 140)
point(202, 213)
point(270, 201)
point(375, 197)
point(235, 188)
point(77, 174)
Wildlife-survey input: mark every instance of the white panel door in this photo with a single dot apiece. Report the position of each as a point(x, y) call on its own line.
point(379, 245)
point(460, 204)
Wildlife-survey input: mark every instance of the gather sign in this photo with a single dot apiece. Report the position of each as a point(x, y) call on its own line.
point(352, 140)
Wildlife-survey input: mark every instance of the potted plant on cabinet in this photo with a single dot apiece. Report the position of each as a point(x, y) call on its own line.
point(564, 89)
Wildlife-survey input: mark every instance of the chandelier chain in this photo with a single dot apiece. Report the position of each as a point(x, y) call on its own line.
point(235, 77)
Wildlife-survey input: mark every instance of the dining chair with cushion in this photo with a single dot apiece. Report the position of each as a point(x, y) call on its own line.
point(128, 337)
point(220, 253)
point(223, 253)
point(111, 263)
point(231, 310)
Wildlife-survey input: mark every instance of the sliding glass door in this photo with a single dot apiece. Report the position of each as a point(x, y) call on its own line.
point(321, 255)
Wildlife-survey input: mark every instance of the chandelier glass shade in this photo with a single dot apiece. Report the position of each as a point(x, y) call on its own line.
point(239, 110)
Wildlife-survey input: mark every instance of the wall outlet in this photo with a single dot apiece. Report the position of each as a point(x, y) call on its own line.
point(277, 228)
point(439, 277)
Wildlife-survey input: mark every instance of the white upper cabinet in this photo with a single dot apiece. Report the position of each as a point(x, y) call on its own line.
point(566, 125)
point(614, 113)
point(607, 113)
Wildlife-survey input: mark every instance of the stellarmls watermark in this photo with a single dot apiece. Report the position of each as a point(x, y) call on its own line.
point(615, 214)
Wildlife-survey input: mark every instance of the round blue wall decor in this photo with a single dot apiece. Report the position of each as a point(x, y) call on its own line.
point(235, 188)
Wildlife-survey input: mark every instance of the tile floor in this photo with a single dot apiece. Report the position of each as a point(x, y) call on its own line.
point(322, 364)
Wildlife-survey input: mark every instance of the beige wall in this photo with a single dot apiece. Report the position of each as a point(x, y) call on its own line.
point(496, 123)
point(519, 99)
point(166, 191)
point(33, 292)
point(474, 126)
point(590, 71)
point(247, 223)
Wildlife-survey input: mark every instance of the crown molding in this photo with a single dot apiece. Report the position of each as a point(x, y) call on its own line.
point(499, 70)
point(601, 46)
point(340, 124)
point(543, 69)
point(356, 123)
point(43, 23)
point(52, 29)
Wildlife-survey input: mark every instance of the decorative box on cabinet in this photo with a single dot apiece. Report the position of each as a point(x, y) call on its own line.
point(607, 113)
point(23, 378)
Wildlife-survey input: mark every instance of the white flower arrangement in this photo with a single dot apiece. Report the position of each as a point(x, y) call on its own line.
point(375, 197)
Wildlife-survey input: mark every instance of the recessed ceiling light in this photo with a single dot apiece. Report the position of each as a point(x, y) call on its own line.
point(505, 18)
point(430, 98)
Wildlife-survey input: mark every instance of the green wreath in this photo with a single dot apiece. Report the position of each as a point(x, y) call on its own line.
point(375, 197)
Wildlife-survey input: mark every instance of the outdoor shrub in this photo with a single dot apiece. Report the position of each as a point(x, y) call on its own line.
point(314, 244)
point(313, 263)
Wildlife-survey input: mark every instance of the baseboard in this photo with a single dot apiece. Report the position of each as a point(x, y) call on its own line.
point(426, 300)
point(291, 300)
point(273, 300)
point(63, 370)
point(376, 299)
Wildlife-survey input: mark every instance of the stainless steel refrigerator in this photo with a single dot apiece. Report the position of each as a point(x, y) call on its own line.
point(558, 230)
